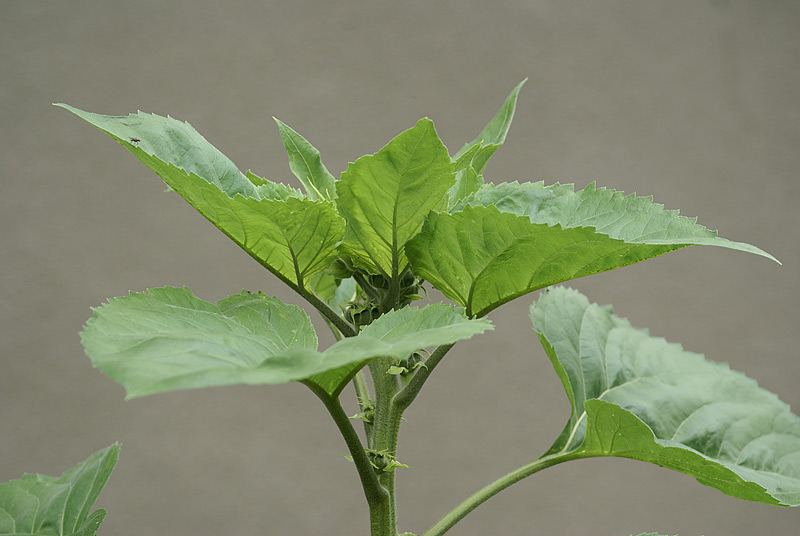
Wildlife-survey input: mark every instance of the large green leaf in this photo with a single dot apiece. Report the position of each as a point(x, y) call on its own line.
point(637, 396)
point(305, 163)
point(635, 220)
point(385, 197)
point(511, 239)
point(48, 506)
point(292, 236)
point(167, 339)
point(471, 160)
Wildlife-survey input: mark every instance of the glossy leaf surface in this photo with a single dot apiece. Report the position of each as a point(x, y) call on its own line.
point(385, 197)
point(637, 396)
point(49, 506)
point(167, 339)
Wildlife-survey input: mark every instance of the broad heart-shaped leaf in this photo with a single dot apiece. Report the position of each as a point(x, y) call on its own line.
point(471, 160)
point(167, 339)
point(49, 506)
point(305, 163)
point(637, 396)
point(507, 240)
point(293, 237)
point(385, 197)
point(407, 330)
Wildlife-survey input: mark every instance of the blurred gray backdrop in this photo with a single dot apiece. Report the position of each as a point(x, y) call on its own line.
point(694, 102)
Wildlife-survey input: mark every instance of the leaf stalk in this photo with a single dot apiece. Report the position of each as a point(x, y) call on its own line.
point(490, 490)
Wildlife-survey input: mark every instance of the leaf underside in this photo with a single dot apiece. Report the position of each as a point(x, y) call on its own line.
point(292, 236)
point(639, 397)
point(167, 339)
point(507, 240)
point(49, 506)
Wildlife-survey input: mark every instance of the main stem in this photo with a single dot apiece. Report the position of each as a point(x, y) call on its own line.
point(385, 431)
point(377, 496)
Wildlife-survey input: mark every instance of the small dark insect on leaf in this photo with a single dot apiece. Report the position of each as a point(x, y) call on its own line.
point(135, 140)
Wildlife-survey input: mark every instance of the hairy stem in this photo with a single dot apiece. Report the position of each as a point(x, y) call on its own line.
point(377, 496)
point(386, 428)
point(489, 491)
point(365, 403)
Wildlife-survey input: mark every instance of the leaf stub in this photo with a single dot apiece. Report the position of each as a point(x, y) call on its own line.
point(639, 397)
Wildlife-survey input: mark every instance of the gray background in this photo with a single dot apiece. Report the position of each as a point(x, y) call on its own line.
point(694, 102)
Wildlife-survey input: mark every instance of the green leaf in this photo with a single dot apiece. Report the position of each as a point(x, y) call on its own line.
point(637, 396)
point(495, 132)
point(167, 339)
point(405, 331)
point(385, 197)
point(305, 163)
point(481, 258)
point(469, 168)
point(635, 220)
point(507, 240)
point(158, 141)
point(48, 506)
point(471, 160)
point(293, 237)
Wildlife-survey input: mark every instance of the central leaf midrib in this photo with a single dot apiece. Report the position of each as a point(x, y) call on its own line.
point(395, 249)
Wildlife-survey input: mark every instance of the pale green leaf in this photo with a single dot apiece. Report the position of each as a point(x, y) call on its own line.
point(158, 141)
point(405, 331)
point(292, 236)
point(334, 292)
point(266, 189)
point(471, 160)
point(305, 163)
point(48, 506)
point(167, 339)
point(495, 132)
point(635, 220)
point(637, 396)
point(469, 168)
point(385, 197)
point(507, 240)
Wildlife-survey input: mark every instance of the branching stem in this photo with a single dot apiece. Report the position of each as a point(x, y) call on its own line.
point(489, 491)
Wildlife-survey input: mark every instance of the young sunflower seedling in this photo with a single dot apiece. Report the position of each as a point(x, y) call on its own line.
point(361, 248)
